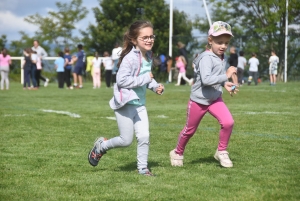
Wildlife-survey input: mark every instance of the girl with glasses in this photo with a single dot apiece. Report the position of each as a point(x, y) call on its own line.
point(133, 78)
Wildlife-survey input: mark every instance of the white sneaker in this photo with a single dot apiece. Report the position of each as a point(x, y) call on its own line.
point(46, 82)
point(176, 159)
point(223, 157)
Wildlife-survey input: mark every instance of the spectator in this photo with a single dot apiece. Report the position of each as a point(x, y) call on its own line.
point(183, 52)
point(108, 65)
point(79, 67)
point(253, 69)
point(5, 61)
point(181, 65)
point(242, 62)
point(34, 58)
point(96, 62)
point(41, 53)
point(59, 66)
point(273, 61)
point(115, 55)
point(27, 68)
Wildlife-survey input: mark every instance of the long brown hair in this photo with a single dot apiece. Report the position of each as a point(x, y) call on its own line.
point(130, 35)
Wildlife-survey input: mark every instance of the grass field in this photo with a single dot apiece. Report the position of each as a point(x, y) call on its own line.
point(43, 152)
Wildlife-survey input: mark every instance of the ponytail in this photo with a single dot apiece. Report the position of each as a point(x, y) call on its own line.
point(127, 46)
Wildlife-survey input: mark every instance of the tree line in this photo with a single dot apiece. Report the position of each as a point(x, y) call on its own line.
point(258, 26)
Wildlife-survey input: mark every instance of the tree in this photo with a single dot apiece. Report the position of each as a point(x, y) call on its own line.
point(261, 27)
point(3, 41)
point(114, 17)
point(57, 27)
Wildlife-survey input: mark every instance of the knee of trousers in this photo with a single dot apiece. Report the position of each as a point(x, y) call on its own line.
point(126, 142)
point(228, 123)
point(143, 139)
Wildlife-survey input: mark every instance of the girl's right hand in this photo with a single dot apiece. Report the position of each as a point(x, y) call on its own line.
point(230, 71)
point(228, 86)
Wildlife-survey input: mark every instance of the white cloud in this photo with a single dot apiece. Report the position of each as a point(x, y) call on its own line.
point(12, 24)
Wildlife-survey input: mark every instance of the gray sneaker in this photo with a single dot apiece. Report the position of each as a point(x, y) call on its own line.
point(223, 157)
point(96, 153)
point(145, 172)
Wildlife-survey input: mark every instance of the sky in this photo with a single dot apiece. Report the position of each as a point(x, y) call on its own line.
point(13, 12)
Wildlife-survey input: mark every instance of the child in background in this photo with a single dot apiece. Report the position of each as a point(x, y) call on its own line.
point(108, 65)
point(181, 64)
point(133, 78)
point(96, 62)
point(206, 94)
point(273, 61)
point(59, 66)
point(5, 61)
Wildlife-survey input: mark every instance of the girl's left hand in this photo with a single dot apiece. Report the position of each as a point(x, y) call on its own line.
point(229, 85)
point(160, 89)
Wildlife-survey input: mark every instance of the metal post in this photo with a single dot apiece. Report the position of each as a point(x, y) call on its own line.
point(171, 36)
point(207, 13)
point(286, 41)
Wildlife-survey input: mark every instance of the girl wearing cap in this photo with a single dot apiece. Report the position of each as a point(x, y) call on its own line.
point(206, 94)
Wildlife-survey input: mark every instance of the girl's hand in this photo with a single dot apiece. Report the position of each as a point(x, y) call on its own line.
point(231, 88)
point(231, 70)
point(160, 89)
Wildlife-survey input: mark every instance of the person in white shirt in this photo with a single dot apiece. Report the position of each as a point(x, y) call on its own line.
point(115, 55)
point(41, 53)
point(108, 65)
point(253, 69)
point(273, 61)
point(242, 62)
point(96, 62)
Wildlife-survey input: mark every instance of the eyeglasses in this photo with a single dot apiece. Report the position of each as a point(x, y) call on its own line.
point(146, 38)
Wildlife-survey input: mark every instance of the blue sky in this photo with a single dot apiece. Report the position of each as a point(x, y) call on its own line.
point(13, 12)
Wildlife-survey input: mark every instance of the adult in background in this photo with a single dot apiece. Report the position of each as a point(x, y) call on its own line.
point(5, 61)
point(273, 61)
point(79, 66)
point(68, 68)
point(41, 53)
point(253, 69)
point(27, 68)
point(242, 62)
point(115, 55)
point(108, 65)
point(33, 69)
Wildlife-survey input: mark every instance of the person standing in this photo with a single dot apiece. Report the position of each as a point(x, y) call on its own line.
point(96, 62)
point(60, 69)
point(27, 68)
point(129, 99)
point(108, 65)
point(273, 61)
point(41, 53)
point(33, 69)
point(233, 57)
point(242, 62)
point(5, 61)
point(68, 68)
point(253, 69)
point(79, 66)
point(115, 55)
point(183, 52)
point(206, 95)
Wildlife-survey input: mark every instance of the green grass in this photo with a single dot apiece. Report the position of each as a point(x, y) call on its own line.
point(43, 156)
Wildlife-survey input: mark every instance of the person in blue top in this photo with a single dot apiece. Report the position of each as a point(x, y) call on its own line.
point(79, 66)
point(60, 69)
point(68, 67)
point(133, 78)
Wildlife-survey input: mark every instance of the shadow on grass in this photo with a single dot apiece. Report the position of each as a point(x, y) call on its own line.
point(208, 159)
point(132, 166)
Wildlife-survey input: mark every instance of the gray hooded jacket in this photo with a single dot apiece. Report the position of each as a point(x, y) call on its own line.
point(128, 77)
point(210, 76)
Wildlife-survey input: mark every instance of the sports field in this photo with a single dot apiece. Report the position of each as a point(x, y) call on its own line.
point(47, 134)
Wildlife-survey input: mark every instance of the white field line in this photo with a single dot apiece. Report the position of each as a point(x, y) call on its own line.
point(63, 112)
point(15, 115)
point(267, 112)
point(162, 116)
point(111, 118)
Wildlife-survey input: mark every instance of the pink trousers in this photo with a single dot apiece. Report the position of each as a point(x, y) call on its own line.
point(195, 113)
point(96, 77)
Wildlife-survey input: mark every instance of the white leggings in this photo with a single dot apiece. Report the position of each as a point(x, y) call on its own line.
point(4, 76)
point(132, 119)
point(182, 75)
